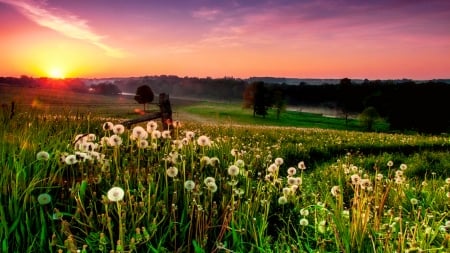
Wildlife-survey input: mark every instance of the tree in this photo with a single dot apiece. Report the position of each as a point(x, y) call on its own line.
point(144, 95)
point(368, 117)
point(278, 100)
point(261, 100)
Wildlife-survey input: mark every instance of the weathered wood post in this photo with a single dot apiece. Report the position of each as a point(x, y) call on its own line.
point(166, 110)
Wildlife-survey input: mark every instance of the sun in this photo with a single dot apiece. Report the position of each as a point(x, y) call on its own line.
point(56, 72)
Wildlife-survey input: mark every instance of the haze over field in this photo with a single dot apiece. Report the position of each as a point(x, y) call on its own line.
point(321, 39)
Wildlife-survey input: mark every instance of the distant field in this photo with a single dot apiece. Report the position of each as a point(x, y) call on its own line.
point(53, 101)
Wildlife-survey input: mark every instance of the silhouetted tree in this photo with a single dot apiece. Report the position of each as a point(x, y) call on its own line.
point(278, 100)
point(261, 100)
point(344, 97)
point(368, 117)
point(144, 95)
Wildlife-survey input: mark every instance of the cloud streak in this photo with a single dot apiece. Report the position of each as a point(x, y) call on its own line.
point(68, 25)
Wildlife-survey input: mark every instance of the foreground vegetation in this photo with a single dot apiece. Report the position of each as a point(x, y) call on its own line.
point(93, 186)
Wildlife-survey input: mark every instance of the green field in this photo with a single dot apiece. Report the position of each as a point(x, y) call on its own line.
point(221, 181)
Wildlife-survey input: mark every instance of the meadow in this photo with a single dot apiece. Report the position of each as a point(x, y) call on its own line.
point(73, 178)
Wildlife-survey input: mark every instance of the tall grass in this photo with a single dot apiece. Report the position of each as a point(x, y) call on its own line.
point(218, 188)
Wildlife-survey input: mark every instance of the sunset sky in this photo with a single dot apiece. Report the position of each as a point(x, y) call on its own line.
point(374, 39)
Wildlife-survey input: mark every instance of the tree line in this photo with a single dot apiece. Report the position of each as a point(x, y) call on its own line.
point(405, 105)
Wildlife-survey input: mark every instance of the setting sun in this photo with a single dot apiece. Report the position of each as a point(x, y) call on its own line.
point(56, 73)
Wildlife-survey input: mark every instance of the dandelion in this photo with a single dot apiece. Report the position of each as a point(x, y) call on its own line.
point(176, 124)
point(115, 194)
point(172, 172)
point(291, 171)
point(44, 198)
point(356, 179)
point(399, 173)
point(203, 141)
point(279, 161)
point(414, 201)
point(365, 183)
point(390, 163)
point(301, 165)
point(190, 135)
point(212, 186)
point(104, 141)
point(156, 134)
point(189, 185)
point(304, 222)
point(118, 129)
point(240, 163)
point(70, 159)
point(379, 177)
point(151, 126)
point(287, 191)
point(447, 180)
point(107, 126)
point(304, 212)
point(335, 191)
point(273, 168)
point(209, 180)
point(233, 170)
point(214, 161)
point(448, 194)
point(115, 140)
point(91, 137)
point(234, 152)
point(142, 144)
point(139, 133)
point(166, 134)
point(42, 155)
point(282, 200)
point(403, 166)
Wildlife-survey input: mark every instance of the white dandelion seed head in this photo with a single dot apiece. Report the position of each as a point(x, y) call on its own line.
point(143, 144)
point(151, 126)
point(172, 171)
point(118, 129)
point(203, 141)
point(139, 133)
point(240, 163)
point(390, 163)
point(335, 191)
point(42, 155)
point(115, 140)
point(304, 222)
point(208, 180)
point(189, 185)
point(279, 161)
point(301, 165)
point(108, 126)
point(233, 170)
point(190, 135)
point(292, 171)
point(115, 194)
point(212, 186)
point(282, 200)
point(156, 134)
point(70, 159)
point(166, 134)
point(403, 166)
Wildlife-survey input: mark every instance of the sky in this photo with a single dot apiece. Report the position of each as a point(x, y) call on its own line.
point(373, 39)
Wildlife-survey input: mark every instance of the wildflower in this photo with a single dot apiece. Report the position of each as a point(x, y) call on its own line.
point(203, 141)
point(399, 180)
point(273, 168)
point(185, 141)
point(279, 161)
point(212, 186)
point(115, 140)
point(447, 180)
point(107, 126)
point(234, 152)
point(240, 163)
point(151, 126)
point(165, 134)
point(44, 198)
point(448, 194)
point(118, 129)
point(414, 201)
point(115, 194)
point(233, 170)
point(143, 144)
point(139, 133)
point(399, 173)
point(214, 161)
point(209, 180)
point(172, 171)
point(189, 185)
point(390, 163)
point(91, 137)
point(156, 134)
point(379, 177)
point(287, 191)
point(291, 171)
point(335, 191)
point(304, 212)
point(403, 166)
point(71, 159)
point(304, 222)
point(176, 124)
point(42, 155)
point(282, 200)
point(104, 141)
point(190, 135)
point(301, 165)
point(365, 183)
point(355, 179)
point(205, 160)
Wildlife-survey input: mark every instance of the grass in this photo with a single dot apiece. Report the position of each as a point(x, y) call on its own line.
point(217, 187)
point(234, 113)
